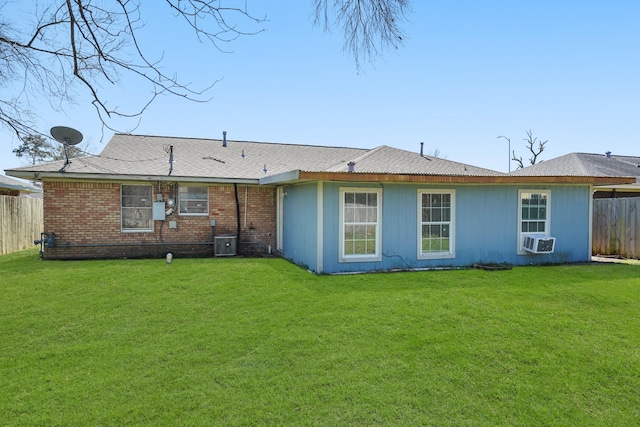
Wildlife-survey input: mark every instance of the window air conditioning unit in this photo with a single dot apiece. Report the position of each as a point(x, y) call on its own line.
point(539, 243)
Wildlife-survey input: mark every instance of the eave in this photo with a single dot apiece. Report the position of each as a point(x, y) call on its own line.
point(20, 188)
point(633, 187)
point(301, 176)
point(125, 177)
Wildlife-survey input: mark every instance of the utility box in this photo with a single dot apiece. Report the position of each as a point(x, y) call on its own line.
point(225, 245)
point(158, 211)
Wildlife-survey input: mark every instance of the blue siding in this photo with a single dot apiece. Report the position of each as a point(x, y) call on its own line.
point(486, 226)
point(570, 223)
point(300, 237)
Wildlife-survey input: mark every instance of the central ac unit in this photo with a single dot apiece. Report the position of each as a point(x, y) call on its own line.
point(225, 245)
point(539, 243)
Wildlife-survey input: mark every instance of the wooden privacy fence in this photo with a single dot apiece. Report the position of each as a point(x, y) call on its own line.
point(21, 222)
point(616, 227)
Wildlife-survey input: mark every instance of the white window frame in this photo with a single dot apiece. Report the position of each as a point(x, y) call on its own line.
point(450, 223)
point(141, 210)
point(181, 191)
point(547, 220)
point(377, 255)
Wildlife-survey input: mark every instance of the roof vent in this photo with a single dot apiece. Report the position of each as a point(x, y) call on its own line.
point(352, 166)
point(608, 153)
point(421, 149)
point(224, 138)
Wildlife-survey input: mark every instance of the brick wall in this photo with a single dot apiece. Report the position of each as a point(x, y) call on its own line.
point(85, 216)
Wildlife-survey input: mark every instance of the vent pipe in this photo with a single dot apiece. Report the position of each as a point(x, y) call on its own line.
point(608, 153)
point(224, 138)
point(352, 166)
point(170, 159)
point(421, 149)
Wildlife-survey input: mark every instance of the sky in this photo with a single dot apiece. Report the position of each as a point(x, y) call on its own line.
point(468, 72)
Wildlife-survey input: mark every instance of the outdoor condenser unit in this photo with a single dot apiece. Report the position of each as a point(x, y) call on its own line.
point(225, 245)
point(539, 243)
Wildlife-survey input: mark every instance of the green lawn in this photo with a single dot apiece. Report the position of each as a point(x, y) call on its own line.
point(232, 341)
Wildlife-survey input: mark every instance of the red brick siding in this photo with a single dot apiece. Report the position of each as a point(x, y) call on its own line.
point(257, 218)
point(85, 216)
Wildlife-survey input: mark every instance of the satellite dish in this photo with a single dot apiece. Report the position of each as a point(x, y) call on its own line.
point(65, 135)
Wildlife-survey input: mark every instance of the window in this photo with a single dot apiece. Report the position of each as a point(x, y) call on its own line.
point(436, 213)
point(360, 219)
point(193, 200)
point(533, 213)
point(136, 207)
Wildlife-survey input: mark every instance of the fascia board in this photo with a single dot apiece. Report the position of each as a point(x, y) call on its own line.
point(101, 177)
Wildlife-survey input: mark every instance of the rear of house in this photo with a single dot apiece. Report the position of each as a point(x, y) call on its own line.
point(329, 209)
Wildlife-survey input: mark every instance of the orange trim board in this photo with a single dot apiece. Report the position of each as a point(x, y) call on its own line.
point(463, 179)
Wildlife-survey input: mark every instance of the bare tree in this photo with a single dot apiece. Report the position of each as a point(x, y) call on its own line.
point(85, 46)
point(534, 146)
point(369, 26)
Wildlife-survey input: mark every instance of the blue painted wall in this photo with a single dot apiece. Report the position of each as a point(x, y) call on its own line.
point(486, 226)
point(300, 218)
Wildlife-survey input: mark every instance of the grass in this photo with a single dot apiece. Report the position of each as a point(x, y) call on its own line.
point(261, 342)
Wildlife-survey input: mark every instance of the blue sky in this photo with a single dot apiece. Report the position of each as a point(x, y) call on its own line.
point(468, 72)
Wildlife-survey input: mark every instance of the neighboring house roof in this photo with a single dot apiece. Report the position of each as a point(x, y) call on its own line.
point(16, 185)
point(589, 165)
point(584, 164)
point(208, 160)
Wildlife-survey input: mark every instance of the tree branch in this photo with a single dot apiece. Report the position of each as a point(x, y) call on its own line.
point(370, 26)
point(84, 45)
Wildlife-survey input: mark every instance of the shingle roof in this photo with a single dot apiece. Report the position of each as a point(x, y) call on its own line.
point(14, 184)
point(138, 155)
point(391, 160)
point(584, 164)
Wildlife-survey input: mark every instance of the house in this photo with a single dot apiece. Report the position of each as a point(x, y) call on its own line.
point(14, 187)
point(590, 164)
point(330, 209)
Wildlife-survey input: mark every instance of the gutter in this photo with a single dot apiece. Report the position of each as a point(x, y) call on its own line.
point(102, 177)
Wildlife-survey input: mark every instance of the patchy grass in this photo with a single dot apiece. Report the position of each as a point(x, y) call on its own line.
point(261, 342)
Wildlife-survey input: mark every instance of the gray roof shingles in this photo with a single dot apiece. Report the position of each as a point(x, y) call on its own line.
point(584, 164)
point(139, 155)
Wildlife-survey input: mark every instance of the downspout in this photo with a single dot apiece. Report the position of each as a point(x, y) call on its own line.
point(320, 228)
point(591, 194)
point(235, 188)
